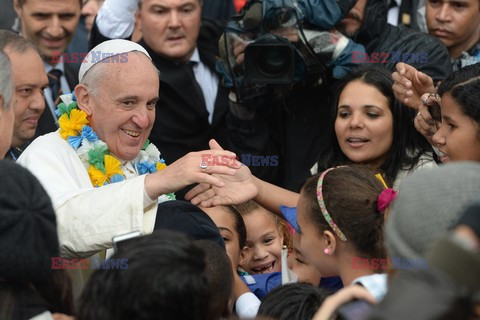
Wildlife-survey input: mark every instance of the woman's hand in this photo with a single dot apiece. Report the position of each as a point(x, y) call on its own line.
point(410, 84)
point(424, 122)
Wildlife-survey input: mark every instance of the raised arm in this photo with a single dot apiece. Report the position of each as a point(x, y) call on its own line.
point(239, 188)
point(410, 84)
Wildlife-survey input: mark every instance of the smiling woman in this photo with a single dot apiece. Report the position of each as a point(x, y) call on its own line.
point(369, 126)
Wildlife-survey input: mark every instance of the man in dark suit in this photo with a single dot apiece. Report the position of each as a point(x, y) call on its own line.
point(50, 25)
point(30, 79)
point(192, 105)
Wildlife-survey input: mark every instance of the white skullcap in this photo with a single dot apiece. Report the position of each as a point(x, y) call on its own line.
point(107, 49)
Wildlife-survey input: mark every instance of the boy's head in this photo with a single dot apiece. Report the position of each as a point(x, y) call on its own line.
point(266, 234)
point(166, 276)
point(219, 278)
point(295, 301)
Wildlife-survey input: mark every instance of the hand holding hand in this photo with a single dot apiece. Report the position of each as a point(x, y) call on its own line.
point(234, 189)
point(424, 122)
point(194, 167)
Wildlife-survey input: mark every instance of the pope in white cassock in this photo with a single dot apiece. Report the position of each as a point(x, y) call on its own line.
point(103, 176)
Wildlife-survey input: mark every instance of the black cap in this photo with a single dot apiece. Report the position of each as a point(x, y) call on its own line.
point(185, 217)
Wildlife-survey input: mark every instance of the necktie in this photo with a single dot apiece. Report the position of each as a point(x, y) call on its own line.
point(54, 83)
point(197, 87)
point(392, 4)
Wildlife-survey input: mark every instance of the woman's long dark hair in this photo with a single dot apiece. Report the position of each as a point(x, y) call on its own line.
point(407, 146)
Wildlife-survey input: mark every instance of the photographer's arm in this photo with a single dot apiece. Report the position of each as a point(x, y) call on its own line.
point(115, 20)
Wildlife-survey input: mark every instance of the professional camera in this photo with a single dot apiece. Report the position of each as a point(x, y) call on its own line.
point(269, 59)
point(288, 41)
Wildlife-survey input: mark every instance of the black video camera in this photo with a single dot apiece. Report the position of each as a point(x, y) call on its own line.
point(288, 42)
point(269, 59)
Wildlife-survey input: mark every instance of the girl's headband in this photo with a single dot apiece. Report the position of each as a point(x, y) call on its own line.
point(323, 208)
point(384, 199)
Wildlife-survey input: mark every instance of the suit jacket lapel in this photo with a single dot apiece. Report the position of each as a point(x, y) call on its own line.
point(221, 101)
point(71, 73)
point(175, 75)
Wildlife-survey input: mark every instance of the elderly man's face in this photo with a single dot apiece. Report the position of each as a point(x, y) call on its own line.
point(170, 27)
point(30, 79)
point(49, 24)
point(454, 22)
point(123, 111)
point(352, 22)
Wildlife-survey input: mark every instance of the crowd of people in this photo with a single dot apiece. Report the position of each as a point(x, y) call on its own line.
point(152, 167)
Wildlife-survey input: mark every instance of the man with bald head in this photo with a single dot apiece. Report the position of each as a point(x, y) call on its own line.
point(102, 174)
point(30, 80)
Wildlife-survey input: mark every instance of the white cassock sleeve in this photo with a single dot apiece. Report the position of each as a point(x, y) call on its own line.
point(87, 217)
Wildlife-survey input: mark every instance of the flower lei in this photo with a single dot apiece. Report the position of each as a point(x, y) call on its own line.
point(103, 168)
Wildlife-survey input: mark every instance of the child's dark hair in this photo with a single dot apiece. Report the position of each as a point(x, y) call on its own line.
point(296, 301)
point(219, 278)
point(165, 274)
point(464, 87)
point(239, 225)
point(247, 207)
point(408, 144)
point(350, 195)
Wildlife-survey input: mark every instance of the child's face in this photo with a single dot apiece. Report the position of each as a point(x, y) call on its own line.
point(300, 266)
point(312, 243)
point(264, 243)
point(226, 225)
point(458, 137)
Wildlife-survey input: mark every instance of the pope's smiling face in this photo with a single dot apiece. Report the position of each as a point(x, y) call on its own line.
point(122, 110)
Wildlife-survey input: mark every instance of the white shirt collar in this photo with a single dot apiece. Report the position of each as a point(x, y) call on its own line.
point(195, 56)
point(59, 66)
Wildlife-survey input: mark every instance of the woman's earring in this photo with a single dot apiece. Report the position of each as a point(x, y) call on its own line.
point(326, 251)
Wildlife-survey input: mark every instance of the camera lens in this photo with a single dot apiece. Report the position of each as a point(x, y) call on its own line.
point(273, 61)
